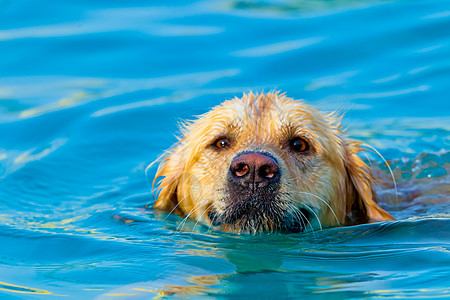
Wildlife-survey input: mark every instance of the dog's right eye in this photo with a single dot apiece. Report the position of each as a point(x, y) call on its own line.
point(299, 145)
point(222, 143)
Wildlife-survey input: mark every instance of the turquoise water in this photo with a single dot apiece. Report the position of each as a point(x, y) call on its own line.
point(91, 92)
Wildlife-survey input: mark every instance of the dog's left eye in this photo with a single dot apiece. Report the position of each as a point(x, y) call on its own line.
point(299, 144)
point(222, 143)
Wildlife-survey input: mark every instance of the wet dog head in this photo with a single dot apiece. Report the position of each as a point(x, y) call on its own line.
point(265, 163)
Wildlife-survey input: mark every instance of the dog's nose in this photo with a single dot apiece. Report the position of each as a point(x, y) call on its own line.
point(254, 170)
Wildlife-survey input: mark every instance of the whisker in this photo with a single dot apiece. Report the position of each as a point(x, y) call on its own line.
point(179, 202)
point(198, 220)
point(314, 213)
point(325, 202)
point(298, 212)
point(310, 225)
point(368, 160)
point(188, 215)
point(192, 188)
point(195, 208)
point(390, 170)
point(173, 209)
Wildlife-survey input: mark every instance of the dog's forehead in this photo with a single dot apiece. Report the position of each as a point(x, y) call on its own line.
point(267, 110)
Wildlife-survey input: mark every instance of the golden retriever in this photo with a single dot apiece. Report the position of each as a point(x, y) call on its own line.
point(267, 163)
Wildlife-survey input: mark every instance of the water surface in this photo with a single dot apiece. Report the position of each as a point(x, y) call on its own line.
point(91, 93)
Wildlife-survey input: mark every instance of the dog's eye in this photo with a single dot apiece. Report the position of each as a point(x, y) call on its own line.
point(299, 145)
point(222, 143)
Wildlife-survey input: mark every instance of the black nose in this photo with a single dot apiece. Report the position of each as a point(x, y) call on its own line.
point(254, 170)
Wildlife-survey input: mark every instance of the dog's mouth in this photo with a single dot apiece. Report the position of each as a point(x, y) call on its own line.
point(254, 219)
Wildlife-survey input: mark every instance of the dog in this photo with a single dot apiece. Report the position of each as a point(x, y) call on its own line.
point(267, 163)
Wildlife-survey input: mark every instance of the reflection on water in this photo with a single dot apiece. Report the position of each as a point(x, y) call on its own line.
point(290, 6)
point(91, 93)
point(21, 289)
point(63, 103)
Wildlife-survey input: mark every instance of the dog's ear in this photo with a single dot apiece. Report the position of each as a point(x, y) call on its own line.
point(361, 206)
point(169, 173)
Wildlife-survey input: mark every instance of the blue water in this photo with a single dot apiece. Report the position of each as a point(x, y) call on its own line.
point(91, 93)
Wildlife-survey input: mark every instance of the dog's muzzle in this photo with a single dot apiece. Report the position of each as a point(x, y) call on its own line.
point(253, 204)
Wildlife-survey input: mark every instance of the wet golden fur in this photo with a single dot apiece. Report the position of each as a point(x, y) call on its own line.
point(330, 183)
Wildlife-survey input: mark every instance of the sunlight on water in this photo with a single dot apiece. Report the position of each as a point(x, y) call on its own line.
point(91, 93)
point(278, 48)
point(21, 289)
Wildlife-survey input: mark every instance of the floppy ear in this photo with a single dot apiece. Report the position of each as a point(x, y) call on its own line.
point(170, 171)
point(361, 206)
